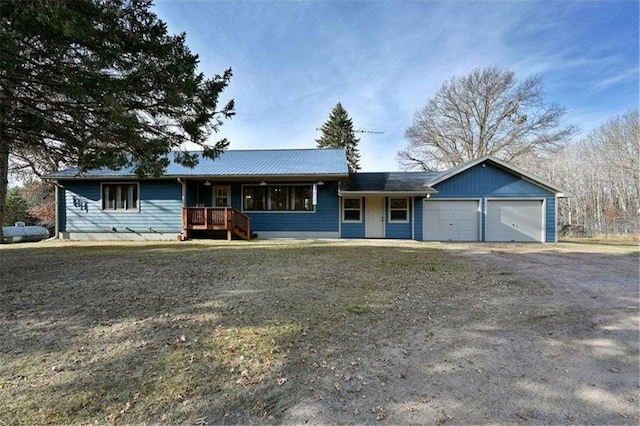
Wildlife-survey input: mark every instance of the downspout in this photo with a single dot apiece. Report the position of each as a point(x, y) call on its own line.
point(339, 211)
point(555, 225)
point(57, 210)
point(184, 234)
point(184, 191)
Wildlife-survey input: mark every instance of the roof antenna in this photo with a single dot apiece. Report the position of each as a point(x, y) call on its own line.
point(375, 132)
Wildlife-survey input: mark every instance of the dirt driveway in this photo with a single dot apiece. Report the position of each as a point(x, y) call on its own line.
point(551, 336)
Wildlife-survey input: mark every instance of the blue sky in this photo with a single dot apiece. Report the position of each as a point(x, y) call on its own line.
point(294, 60)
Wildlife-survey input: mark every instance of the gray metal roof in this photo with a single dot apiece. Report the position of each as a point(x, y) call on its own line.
point(391, 182)
point(277, 162)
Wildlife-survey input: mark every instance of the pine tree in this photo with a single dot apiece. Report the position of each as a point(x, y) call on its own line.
point(337, 132)
point(101, 83)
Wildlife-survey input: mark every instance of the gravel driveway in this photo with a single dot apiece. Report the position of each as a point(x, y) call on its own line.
point(571, 353)
point(549, 336)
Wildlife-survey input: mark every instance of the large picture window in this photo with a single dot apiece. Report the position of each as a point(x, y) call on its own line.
point(398, 209)
point(277, 198)
point(120, 196)
point(352, 209)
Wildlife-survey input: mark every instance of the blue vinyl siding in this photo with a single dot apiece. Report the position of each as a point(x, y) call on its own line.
point(489, 181)
point(551, 224)
point(398, 230)
point(160, 209)
point(394, 229)
point(353, 230)
point(418, 209)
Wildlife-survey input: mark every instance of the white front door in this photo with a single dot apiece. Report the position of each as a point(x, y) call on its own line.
point(221, 196)
point(374, 217)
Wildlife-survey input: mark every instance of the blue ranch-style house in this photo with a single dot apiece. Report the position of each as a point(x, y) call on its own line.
point(306, 193)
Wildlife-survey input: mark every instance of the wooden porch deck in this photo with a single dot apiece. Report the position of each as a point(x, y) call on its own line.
point(216, 219)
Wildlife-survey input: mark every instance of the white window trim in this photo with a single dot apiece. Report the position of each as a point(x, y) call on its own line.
point(312, 211)
point(213, 195)
point(360, 209)
point(407, 209)
point(119, 211)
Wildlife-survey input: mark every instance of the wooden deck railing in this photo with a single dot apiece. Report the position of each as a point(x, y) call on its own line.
point(216, 219)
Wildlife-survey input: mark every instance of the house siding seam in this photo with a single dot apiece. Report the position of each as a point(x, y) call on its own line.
point(160, 209)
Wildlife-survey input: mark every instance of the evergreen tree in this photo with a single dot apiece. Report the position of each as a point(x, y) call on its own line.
point(16, 209)
point(100, 83)
point(337, 132)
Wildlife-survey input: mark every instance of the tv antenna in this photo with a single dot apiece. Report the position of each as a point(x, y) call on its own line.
point(374, 132)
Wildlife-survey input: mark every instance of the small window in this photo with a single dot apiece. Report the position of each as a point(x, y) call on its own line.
point(352, 210)
point(398, 209)
point(221, 196)
point(120, 196)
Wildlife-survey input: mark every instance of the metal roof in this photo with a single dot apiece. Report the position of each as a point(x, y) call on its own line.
point(237, 163)
point(391, 182)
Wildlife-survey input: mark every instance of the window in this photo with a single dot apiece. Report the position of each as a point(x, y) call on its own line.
point(398, 209)
point(120, 196)
point(277, 198)
point(221, 196)
point(352, 210)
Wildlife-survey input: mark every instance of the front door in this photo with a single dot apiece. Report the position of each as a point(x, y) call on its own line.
point(221, 196)
point(374, 217)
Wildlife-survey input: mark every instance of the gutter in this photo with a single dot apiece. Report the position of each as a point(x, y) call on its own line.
point(388, 193)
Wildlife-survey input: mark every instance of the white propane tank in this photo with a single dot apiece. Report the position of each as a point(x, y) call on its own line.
point(21, 233)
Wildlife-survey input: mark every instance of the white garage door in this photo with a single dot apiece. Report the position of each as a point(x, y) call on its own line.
point(515, 220)
point(451, 220)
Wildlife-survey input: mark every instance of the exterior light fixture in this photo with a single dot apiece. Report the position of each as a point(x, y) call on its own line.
point(207, 183)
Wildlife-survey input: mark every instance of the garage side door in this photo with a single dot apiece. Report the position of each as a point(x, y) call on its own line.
point(515, 220)
point(451, 220)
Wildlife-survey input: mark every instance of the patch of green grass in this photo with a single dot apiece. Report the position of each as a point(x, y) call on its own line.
point(358, 309)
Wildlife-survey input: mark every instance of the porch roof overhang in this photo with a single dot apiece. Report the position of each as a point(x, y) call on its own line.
point(389, 184)
point(422, 193)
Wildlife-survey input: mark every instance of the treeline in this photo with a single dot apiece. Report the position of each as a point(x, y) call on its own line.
point(602, 174)
point(32, 203)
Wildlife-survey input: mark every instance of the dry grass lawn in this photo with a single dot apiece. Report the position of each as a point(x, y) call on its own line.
point(173, 332)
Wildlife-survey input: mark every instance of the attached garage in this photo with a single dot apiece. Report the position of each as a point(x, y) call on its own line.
point(451, 220)
point(515, 220)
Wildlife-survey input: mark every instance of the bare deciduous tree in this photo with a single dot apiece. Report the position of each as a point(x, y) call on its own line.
point(487, 112)
point(602, 172)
